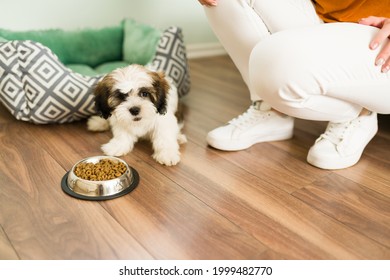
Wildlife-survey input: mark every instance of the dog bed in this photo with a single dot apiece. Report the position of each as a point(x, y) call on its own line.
point(48, 76)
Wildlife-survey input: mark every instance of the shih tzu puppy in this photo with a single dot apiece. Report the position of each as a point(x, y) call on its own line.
point(136, 102)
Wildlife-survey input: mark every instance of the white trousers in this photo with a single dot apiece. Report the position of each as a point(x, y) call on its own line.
point(298, 65)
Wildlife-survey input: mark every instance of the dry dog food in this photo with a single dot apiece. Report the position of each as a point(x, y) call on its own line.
point(104, 170)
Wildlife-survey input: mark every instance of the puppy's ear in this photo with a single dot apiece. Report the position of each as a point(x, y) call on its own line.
point(161, 90)
point(102, 92)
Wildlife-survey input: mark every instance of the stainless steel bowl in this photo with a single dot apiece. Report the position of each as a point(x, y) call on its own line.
point(100, 190)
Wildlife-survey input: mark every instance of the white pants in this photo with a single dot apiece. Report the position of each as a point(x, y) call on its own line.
point(305, 69)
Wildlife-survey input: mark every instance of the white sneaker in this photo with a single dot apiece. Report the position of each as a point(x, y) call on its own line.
point(342, 144)
point(258, 124)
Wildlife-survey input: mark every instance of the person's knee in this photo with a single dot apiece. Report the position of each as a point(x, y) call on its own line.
point(279, 71)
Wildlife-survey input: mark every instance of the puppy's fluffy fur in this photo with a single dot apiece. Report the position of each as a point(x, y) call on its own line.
point(138, 103)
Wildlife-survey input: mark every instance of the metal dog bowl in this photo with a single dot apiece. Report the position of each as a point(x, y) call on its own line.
point(99, 190)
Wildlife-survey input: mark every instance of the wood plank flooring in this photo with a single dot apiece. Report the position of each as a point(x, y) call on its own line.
point(262, 203)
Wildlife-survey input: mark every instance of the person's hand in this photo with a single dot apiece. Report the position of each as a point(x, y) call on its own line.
point(383, 58)
point(208, 3)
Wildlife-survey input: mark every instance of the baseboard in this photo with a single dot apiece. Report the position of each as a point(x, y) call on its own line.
point(204, 50)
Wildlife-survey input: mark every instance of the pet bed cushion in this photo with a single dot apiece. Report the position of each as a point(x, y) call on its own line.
point(36, 86)
point(86, 46)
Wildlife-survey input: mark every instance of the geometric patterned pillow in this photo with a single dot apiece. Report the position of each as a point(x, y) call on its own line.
point(36, 87)
point(171, 58)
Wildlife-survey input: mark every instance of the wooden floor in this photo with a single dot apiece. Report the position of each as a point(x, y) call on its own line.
point(262, 203)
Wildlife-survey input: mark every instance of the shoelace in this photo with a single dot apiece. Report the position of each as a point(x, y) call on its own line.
point(249, 117)
point(337, 132)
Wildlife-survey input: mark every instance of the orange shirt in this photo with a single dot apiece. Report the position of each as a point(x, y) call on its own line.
point(351, 10)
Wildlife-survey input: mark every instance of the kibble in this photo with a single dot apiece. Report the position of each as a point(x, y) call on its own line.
point(103, 170)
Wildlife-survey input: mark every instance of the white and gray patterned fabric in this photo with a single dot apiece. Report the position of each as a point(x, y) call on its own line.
point(171, 57)
point(36, 87)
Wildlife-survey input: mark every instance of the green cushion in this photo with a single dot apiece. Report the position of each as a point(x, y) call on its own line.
point(100, 70)
point(140, 42)
point(86, 46)
point(82, 69)
point(130, 41)
point(110, 66)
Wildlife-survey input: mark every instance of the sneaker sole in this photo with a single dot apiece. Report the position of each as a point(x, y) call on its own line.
point(331, 165)
point(342, 163)
point(242, 145)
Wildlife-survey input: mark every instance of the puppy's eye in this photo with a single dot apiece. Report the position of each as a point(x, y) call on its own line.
point(144, 94)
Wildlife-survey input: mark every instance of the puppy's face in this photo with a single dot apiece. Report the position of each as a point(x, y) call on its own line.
point(132, 93)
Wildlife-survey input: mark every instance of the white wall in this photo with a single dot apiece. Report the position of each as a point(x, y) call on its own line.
point(74, 14)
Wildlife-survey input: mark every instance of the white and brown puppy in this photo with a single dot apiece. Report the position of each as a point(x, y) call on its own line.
point(138, 103)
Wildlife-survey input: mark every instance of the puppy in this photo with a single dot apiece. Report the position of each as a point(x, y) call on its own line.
point(138, 103)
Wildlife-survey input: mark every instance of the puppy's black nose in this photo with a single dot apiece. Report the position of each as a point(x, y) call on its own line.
point(135, 111)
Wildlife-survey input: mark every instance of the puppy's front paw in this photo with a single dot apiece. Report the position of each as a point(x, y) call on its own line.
point(115, 148)
point(181, 139)
point(167, 158)
point(96, 123)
